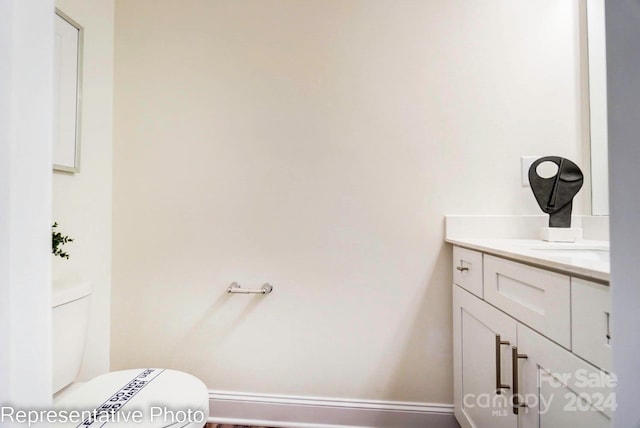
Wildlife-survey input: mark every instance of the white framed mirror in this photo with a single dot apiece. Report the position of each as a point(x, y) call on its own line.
point(598, 107)
point(67, 93)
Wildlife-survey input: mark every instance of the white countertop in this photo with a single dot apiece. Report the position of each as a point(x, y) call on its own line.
point(587, 259)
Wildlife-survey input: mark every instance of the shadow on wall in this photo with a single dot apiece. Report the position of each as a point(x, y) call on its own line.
point(203, 332)
point(426, 335)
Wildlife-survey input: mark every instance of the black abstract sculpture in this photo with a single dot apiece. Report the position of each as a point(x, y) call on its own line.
point(555, 194)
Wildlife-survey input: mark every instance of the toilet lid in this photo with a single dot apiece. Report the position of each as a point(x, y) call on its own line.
point(139, 397)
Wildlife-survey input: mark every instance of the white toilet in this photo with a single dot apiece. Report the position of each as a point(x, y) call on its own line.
point(145, 397)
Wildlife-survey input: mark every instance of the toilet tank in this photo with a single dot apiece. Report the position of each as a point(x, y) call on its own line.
point(71, 305)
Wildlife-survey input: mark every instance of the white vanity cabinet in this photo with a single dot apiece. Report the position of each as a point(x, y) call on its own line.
point(559, 388)
point(482, 342)
point(536, 297)
point(467, 270)
point(514, 365)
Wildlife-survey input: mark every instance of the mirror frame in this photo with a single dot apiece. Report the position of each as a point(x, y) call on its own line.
point(598, 129)
point(69, 37)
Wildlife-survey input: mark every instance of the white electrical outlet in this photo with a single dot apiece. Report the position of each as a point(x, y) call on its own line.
point(526, 162)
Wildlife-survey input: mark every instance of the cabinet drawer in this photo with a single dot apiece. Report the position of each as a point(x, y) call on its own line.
point(536, 297)
point(467, 270)
point(590, 322)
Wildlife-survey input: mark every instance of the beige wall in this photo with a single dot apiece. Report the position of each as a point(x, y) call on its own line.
point(82, 202)
point(317, 146)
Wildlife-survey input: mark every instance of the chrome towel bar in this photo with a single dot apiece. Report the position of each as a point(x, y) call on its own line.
point(235, 288)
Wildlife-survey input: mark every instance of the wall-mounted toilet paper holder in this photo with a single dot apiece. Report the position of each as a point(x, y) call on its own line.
point(235, 288)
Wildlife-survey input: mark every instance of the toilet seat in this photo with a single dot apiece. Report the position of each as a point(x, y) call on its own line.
point(139, 397)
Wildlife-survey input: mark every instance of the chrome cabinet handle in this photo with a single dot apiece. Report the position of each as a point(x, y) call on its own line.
point(499, 384)
point(516, 404)
point(462, 268)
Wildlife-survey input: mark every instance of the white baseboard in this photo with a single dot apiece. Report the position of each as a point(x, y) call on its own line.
point(313, 412)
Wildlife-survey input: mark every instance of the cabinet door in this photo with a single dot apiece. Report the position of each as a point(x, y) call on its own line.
point(560, 389)
point(478, 359)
